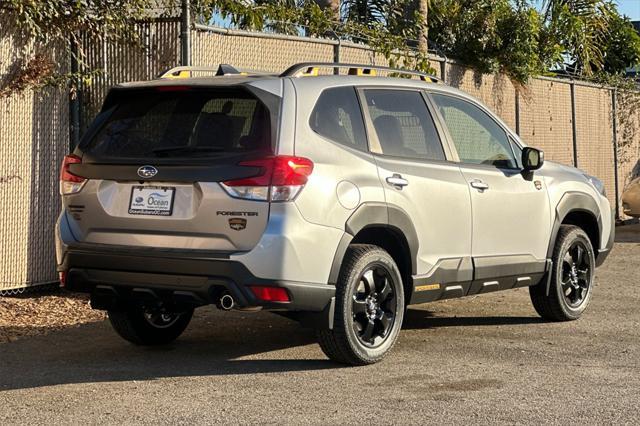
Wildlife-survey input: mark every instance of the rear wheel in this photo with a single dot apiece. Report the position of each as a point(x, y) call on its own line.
point(149, 326)
point(369, 308)
point(572, 275)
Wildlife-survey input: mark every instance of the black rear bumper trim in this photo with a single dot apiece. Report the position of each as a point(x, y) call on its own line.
point(197, 279)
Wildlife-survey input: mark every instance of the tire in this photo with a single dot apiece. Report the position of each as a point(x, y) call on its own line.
point(571, 284)
point(143, 327)
point(369, 308)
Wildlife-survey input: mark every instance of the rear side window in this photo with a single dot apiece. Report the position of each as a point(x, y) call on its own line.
point(403, 124)
point(337, 116)
point(478, 138)
point(181, 123)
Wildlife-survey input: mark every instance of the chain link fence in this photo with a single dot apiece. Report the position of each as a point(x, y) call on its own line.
point(574, 122)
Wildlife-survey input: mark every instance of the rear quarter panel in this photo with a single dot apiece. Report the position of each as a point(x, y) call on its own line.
point(342, 178)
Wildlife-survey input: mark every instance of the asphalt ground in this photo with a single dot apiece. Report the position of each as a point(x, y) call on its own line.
point(484, 359)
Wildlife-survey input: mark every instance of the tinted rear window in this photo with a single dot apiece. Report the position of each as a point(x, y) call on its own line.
point(337, 116)
point(180, 123)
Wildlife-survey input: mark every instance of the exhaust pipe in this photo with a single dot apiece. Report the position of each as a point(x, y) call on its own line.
point(226, 302)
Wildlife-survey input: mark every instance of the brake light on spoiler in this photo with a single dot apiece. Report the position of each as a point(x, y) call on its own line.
point(279, 179)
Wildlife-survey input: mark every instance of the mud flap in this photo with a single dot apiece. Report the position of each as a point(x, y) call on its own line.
point(318, 320)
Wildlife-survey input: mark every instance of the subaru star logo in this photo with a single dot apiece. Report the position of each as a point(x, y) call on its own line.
point(147, 172)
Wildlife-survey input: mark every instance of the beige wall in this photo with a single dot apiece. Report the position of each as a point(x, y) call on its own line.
point(34, 135)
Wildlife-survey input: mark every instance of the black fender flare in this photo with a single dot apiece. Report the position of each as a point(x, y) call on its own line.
point(569, 203)
point(375, 214)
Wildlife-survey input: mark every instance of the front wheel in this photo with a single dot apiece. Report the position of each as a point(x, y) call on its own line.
point(149, 326)
point(369, 308)
point(571, 283)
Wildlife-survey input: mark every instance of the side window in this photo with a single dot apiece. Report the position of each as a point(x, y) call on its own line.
point(337, 116)
point(403, 124)
point(477, 137)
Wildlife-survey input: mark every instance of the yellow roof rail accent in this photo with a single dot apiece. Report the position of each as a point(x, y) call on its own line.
point(178, 74)
point(363, 72)
point(309, 72)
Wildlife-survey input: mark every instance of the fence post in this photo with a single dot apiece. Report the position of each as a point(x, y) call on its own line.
point(185, 34)
point(336, 54)
point(614, 112)
point(74, 98)
point(574, 125)
point(517, 112)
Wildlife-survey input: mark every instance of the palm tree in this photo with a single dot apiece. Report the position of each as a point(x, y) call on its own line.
point(582, 26)
point(365, 12)
point(420, 8)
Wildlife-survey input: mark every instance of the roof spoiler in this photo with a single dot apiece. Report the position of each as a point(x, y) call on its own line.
point(187, 71)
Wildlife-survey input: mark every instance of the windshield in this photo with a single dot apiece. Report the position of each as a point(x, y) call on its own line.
point(176, 122)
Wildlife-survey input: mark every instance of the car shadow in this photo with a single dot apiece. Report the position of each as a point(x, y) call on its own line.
point(214, 344)
point(417, 319)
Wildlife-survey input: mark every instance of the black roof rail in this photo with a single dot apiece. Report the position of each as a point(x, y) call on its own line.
point(310, 68)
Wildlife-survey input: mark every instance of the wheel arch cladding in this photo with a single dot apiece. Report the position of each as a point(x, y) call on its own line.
point(579, 209)
point(386, 226)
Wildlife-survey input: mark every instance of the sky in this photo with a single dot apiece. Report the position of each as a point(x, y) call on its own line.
point(631, 8)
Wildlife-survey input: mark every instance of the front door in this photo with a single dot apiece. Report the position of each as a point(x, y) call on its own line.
point(511, 214)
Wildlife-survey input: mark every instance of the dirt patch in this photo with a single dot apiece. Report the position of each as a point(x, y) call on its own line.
point(37, 314)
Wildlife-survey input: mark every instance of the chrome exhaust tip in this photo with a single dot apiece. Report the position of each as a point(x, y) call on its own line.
point(226, 302)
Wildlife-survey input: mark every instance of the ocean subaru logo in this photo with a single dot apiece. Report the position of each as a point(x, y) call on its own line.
point(147, 172)
point(139, 199)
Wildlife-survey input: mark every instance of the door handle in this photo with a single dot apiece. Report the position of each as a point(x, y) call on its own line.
point(479, 185)
point(397, 181)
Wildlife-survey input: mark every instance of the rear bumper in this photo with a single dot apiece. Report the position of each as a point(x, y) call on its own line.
point(180, 278)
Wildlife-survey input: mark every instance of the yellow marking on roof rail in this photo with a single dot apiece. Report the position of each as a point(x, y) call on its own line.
point(363, 72)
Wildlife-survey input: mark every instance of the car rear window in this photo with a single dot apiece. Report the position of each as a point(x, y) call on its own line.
point(173, 122)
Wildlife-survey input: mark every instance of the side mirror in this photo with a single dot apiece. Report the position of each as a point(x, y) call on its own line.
point(532, 159)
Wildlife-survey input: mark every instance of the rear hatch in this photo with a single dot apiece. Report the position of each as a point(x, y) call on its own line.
point(152, 163)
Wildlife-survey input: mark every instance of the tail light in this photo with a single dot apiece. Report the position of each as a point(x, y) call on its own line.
point(280, 178)
point(70, 183)
point(270, 294)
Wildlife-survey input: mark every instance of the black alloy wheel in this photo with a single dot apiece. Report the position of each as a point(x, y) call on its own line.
point(374, 306)
point(576, 274)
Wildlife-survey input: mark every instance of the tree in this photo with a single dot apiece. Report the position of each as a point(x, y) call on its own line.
point(576, 31)
point(332, 6)
point(366, 12)
point(622, 47)
point(50, 24)
point(419, 10)
point(488, 35)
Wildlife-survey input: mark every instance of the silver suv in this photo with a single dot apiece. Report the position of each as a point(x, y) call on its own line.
point(335, 194)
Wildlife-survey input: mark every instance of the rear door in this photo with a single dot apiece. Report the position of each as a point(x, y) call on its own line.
point(154, 160)
point(419, 180)
point(511, 213)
